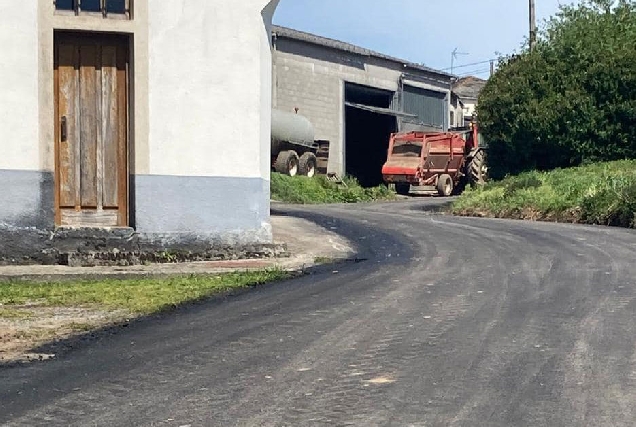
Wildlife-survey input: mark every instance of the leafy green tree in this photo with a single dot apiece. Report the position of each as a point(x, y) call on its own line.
point(572, 100)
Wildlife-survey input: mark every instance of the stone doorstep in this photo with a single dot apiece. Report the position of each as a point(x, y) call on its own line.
point(116, 257)
point(121, 247)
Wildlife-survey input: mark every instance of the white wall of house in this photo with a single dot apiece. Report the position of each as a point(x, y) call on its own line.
point(456, 112)
point(200, 109)
point(209, 97)
point(19, 109)
point(469, 108)
point(209, 73)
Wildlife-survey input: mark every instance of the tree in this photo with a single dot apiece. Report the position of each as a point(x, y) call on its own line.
point(572, 99)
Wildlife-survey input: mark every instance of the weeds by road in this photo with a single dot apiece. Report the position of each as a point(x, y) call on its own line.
point(32, 314)
point(601, 193)
point(303, 190)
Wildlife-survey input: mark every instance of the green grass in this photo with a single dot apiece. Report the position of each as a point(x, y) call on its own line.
point(303, 190)
point(322, 260)
point(600, 193)
point(14, 314)
point(138, 296)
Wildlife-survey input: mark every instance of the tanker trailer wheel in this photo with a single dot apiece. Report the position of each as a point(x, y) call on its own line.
point(477, 169)
point(445, 185)
point(307, 164)
point(402, 188)
point(287, 163)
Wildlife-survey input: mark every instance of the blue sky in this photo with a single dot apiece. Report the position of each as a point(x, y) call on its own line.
point(422, 31)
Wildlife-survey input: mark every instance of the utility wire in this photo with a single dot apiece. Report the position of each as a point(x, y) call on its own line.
point(469, 65)
point(476, 72)
point(482, 74)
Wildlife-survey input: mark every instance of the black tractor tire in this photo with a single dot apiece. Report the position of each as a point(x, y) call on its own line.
point(403, 188)
point(476, 170)
point(445, 185)
point(307, 165)
point(460, 187)
point(287, 163)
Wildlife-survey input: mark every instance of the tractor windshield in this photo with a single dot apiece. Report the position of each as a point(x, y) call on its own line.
point(407, 148)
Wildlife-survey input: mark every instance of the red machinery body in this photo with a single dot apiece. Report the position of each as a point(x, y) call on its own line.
point(420, 159)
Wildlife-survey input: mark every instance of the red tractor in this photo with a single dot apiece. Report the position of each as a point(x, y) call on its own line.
point(442, 162)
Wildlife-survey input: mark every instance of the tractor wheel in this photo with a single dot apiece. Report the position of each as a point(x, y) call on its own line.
point(445, 185)
point(287, 163)
point(403, 188)
point(460, 187)
point(477, 170)
point(307, 164)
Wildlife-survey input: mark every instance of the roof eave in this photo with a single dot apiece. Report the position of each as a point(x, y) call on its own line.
point(285, 32)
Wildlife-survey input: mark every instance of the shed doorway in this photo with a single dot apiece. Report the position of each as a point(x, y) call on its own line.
point(369, 122)
point(91, 122)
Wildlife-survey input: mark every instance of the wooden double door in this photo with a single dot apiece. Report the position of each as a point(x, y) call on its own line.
point(91, 87)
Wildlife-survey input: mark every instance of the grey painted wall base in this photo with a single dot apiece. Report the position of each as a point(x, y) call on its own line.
point(27, 199)
point(219, 209)
point(183, 218)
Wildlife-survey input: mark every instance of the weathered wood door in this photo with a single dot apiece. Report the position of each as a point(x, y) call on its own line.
point(91, 87)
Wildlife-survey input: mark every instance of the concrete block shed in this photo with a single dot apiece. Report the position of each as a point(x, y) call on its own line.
point(148, 117)
point(355, 98)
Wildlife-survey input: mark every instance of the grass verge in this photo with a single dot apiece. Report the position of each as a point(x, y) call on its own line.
point(600, 193)
point(137, 296)
point(319, 189)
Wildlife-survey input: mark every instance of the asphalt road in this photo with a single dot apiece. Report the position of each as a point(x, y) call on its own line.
point(448, 322)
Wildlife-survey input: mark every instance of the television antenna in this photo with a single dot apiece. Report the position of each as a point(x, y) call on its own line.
point(454, 55)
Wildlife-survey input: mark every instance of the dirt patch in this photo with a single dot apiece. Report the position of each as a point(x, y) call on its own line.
point(23, 328)
point(310, 243)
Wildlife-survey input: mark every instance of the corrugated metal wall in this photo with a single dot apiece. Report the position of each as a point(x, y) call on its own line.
point(429, 106)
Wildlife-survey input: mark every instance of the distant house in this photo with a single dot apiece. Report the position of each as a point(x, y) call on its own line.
point(467, 90)
point(456, 112)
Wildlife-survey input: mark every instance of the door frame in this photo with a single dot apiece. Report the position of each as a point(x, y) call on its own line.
point(125, 40)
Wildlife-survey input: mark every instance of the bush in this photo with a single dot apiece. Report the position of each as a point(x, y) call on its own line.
point(602, 194)
point(613, 205)
point(319, 189)
point(572, 100)
point(521, 183)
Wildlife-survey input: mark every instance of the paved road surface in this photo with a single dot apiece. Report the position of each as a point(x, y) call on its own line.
point(449, 322)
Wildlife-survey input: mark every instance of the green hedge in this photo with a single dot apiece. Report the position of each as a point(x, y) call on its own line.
point(572, 100)
point(319, 189)
point(602, 193)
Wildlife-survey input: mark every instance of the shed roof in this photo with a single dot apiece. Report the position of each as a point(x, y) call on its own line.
point(351, 48)
point(469, 87)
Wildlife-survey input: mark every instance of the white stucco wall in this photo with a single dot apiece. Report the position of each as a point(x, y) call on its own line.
point(19, 108)
point(469, 108)
point(209, 87)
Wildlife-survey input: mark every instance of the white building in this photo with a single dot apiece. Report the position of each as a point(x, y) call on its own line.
point(149, 115)
point(468, 90)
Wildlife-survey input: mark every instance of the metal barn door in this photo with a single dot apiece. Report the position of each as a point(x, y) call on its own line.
point(91, 86)
point(429, 107)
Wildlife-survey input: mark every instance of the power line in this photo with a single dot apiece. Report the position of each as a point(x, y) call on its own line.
point(469, 65)
point(476, 72)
